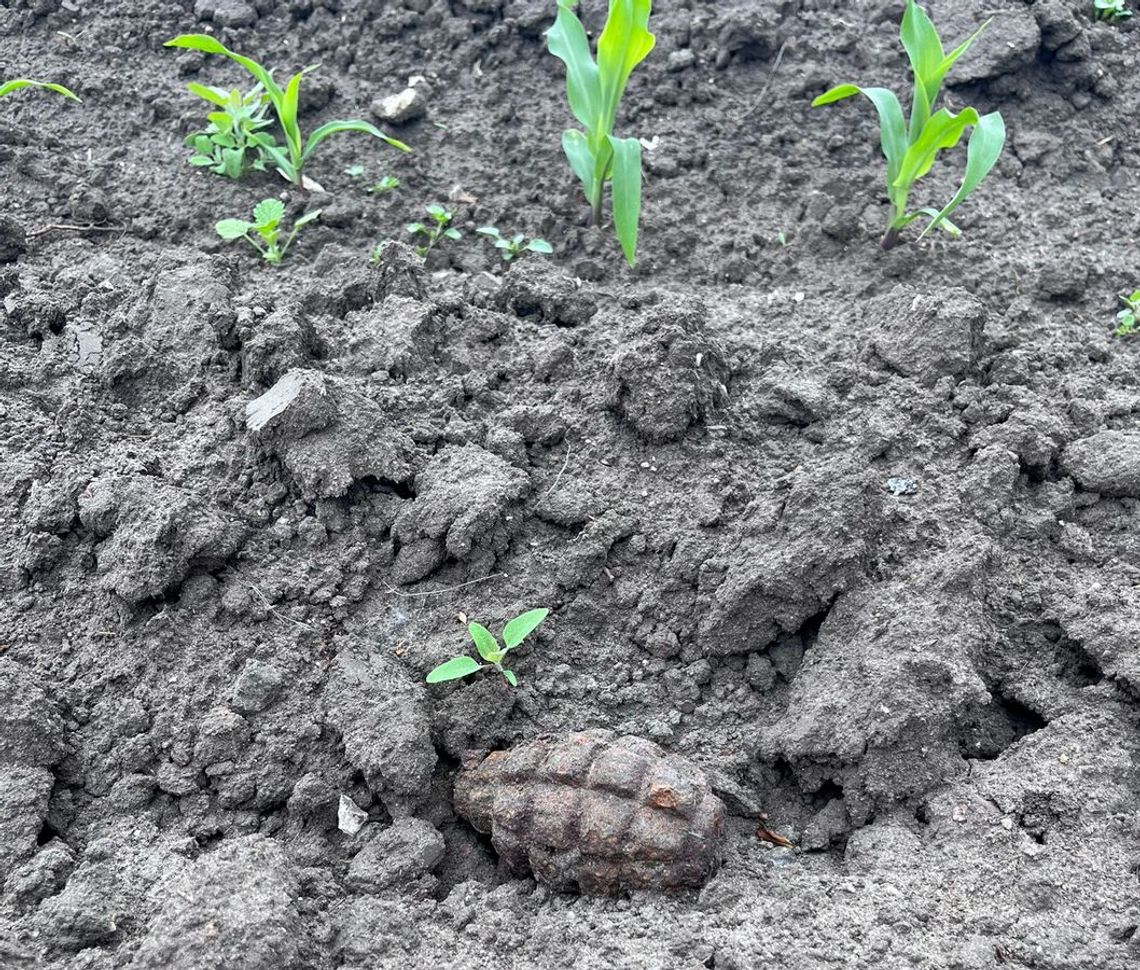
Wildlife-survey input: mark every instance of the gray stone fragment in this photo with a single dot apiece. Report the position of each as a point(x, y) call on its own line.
point(1107, 462)
point(255, 687)
point(298, 403)
point(400, 108)
point(408, 849)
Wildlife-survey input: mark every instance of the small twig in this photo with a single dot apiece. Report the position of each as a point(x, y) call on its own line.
point(61, 227)
point(558, 477)
point(449, 589)
point(276, 613)
point(767, 84)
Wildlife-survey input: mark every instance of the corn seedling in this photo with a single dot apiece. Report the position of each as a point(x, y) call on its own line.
point(492, 652)
point(264, 233)
point(291, 158)
point(1111, 10)
point(432, 233)
point(910, 150)
point(229, 145)
point(7, 87)
point(1128, 318)
point(594, 90)
point(387, 184)
point(510, 247)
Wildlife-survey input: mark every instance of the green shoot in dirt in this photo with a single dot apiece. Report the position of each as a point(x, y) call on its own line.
point(594, 90)
point(1128, 318)
point(910, 150)
point(1111, 10)
point(432, 233)
point(514, 245)
point(264, 233)
point(489, 649)
point(229, 145)
point(388, 183)
point(297, 152)
point(7, 87)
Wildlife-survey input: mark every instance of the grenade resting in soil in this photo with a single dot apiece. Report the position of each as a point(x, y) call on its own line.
point(595, 811)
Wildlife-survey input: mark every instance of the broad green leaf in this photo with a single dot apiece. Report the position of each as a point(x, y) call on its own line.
point(453, 669)
point(415, 227)
point(210, 45)
point(511, 678)
point(453, 234)
point(232, 162)
point(892, 128)
point(567, 41)
point(627, 193)
point(581, 159)
point(335, 127)
point(489, 231)
point(231, 229)
point(200, 161)
point(306, 219)
point(485, 642)
point(540, 246)
point(982, 152)
point(213, 95)
point(943, 130)
point(22, 82)
point(522, 626)
point(924, 48)
point(268, 212)
point(625, 42)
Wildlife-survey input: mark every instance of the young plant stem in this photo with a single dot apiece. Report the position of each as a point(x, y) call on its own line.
point(891, 238)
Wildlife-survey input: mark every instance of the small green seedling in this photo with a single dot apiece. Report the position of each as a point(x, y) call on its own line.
point(388, 183)
point(511, 246)
point(229, 144)
point(7, 87)
point(489, 649)
point(594, 90)
point(354, 171)
point(1128, 318)
point(264, 233)
point(1111, 10)
point(291, 160)
point(910, 151)
point(432, 233)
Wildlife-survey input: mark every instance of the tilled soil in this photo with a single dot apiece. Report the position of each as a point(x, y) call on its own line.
point(854, 532)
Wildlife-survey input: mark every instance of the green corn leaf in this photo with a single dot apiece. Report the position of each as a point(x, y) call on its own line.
point(581, 159)
point(268, 212)
point(485, 642)
point(334, 127)
point(627, 193)
point(265, 144)
point(943, 130)
point(22, 82)
point(454, 669)
point(625, 43)
point(522, 626)
point(892, 127)
point(213, 95)
point(210, 45)
point(982, 152)
point(231, 229)
point(567, 41)
point(924, 49)
point(511, 678)
point(287, 115)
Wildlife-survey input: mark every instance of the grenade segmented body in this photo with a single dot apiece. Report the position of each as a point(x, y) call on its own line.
point(595, 811)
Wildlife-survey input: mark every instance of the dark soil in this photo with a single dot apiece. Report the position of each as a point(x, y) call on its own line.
point(856, 532)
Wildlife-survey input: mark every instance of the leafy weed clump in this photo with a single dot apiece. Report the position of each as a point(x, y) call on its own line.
point(264, 232)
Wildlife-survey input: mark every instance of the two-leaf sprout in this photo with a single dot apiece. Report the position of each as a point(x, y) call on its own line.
point(492, 652)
